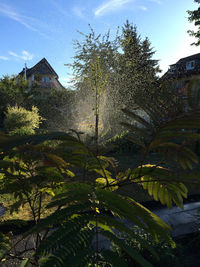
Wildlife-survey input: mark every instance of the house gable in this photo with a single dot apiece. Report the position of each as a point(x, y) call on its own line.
point(185, 68)
point(43, 73)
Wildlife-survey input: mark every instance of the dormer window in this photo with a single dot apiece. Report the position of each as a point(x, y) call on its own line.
point(190, 65)
point(172, 68)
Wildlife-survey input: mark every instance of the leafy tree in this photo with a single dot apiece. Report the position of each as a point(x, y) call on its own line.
point(106, 50)
point(19, 121)
point(89, 49)
point(55, 106)
point(87, 207)
point(32, 175)
point(13, 91)
point(97, 83)
point(194, 16)
point(127, 63)
point(81, 209)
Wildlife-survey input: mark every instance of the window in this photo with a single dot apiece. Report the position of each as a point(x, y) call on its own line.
point(45, 79)
point(190, 65)
point(172, 68)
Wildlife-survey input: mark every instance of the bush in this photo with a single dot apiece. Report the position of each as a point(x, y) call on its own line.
point(167, 256)
point(19, 121)
point(121, 144)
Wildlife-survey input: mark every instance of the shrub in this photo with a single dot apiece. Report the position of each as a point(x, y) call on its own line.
point(19, 121)
point(121, 144)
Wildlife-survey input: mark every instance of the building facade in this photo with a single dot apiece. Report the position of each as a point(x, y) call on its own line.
point(42, 74)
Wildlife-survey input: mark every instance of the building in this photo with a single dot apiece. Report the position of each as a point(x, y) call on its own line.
point(43, 74)
point(183, 71)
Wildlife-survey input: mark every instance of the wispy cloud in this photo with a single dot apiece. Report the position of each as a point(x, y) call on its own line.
point(144, 8)
point(4, 58)
point(26, 21)
point(59, 8)
point(25, 55)
point(78, 11)
point(156, 1)
point(115, 5)
point(110, 6)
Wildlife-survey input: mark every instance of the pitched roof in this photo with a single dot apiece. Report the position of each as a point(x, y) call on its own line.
point(189, 58)
point(42, 67)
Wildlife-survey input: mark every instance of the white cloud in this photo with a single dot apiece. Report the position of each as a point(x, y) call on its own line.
point(13, 54)
point(27, 22)
point(25, 55)
point(4, 58)
point(110, 6)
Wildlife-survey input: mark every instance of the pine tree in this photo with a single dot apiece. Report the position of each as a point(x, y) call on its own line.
point(138, 69)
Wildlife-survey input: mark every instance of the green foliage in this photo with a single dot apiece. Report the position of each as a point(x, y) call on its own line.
point(97, 83)
point(194, 16)
point(168, 256)
point(55, 106)
point(84, 208)
point(13, 91)
point(30, 173)
point(193, 94)
point(32, 170)
point(168, 139)
point(121, 144)
point(138, 69)
point(163, 138)
point(19, 121)
point(5, 245)
point(162, 184)
point(127, 73)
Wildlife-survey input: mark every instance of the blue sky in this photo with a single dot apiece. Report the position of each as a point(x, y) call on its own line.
point(31, 30)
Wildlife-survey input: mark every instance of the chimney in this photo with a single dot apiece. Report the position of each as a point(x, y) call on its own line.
point(25, 71)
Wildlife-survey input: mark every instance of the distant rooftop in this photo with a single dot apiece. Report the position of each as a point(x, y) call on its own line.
point(42, 67)
point(184, 67)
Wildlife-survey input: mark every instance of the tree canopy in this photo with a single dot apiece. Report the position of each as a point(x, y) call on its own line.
point(194, 16)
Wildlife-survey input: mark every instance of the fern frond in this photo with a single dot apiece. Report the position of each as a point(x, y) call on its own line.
point(160, 184)
point(67, 231)
point(120, 226)
point(79, 253)
point(127, 208)
point(137, 118)
point(58, 216)
point(140, 131)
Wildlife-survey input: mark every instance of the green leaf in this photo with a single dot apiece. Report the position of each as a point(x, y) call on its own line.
point(25, 263)
point(129, 250)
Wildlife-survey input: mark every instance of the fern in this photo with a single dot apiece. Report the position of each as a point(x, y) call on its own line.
point(83, 209)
